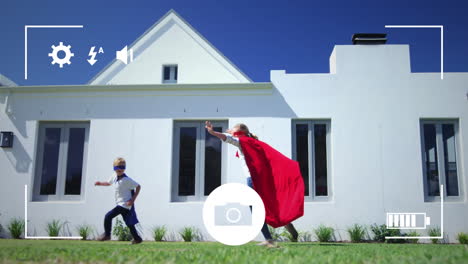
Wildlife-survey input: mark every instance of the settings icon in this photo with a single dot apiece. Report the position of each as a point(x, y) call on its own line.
point(64, 49)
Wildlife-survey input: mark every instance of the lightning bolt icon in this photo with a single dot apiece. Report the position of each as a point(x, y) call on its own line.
point(92, 54)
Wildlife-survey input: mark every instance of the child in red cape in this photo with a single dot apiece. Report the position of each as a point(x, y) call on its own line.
point(276, 178)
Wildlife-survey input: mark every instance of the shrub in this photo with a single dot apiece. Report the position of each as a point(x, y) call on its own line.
point(435, 231)
point(357, 233)
point(159, 233)
point(462, 238)
point(121, 232)
point(286, 236)
point(276, 233)
point(53, 228)
point(381, 231)
point(85, 231)
point(189, 233)
point(16, 228)
point(395, 232)
point(413, 234)
point(324, 233)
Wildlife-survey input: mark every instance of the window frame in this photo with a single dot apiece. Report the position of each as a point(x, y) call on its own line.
point(311, 147)
point(62, 162)
point(172, 70)
point(199, 162)
point(441, 159)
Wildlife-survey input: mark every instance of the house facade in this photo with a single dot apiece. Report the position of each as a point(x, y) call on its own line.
point(371, 137)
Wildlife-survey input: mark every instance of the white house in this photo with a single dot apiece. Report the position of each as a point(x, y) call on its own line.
point(371, 136)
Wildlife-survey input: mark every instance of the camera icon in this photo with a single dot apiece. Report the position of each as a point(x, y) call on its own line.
point(233, 214)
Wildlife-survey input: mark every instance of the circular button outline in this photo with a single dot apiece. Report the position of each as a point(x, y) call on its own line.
point(239, 215)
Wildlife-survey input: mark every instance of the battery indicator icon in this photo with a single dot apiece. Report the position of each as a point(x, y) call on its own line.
point(407, 220)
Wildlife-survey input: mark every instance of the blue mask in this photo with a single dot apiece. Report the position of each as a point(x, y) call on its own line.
point(121, 167)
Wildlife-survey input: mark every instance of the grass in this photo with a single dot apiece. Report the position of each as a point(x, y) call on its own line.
point(20, 251)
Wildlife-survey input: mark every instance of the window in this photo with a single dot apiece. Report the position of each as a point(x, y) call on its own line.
point(61, 160)
point(439, 142)
point(311, 148)
point(198, 160)
point(169, 73)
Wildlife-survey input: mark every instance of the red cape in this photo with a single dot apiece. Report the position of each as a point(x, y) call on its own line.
point(277, 179)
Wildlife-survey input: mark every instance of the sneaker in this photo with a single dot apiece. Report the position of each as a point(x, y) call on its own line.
point(134, 242)
point(103, 237)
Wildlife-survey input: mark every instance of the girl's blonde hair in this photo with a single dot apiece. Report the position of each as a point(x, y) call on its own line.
point(118, 161)
point(243, 127)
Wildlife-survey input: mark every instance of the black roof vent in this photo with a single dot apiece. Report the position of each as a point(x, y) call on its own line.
point(369, 38)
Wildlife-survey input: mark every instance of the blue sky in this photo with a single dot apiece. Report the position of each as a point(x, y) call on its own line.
point(258, 36)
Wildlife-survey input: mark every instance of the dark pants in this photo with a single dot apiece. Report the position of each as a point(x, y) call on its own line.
point(119, 210)
point(265, 231)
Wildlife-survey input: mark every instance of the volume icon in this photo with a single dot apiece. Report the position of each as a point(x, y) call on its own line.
point(124, 55)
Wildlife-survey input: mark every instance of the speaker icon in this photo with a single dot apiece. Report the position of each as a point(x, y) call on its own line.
point(124, 55)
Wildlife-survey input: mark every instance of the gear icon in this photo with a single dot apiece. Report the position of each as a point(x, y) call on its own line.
point(65, 59)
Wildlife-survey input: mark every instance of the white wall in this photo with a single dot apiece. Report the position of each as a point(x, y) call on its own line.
point(135, 125)
point(375, 105)
point(375, 142)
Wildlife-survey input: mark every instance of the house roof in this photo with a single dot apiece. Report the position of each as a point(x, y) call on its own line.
point(4, 81)
point(172, 15)
point(253, 86)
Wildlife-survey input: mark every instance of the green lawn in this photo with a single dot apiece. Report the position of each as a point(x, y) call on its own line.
point(27, 251)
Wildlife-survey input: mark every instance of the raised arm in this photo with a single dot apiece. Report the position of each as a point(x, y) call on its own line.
point(104, 183)
point(98, 183)
point(209, 128)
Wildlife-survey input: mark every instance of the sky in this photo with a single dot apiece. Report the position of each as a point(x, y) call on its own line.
point(257, 36)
